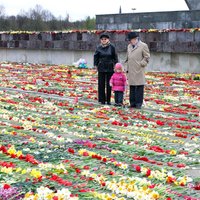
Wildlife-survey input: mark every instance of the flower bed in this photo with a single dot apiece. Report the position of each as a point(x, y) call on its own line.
point(58, 143)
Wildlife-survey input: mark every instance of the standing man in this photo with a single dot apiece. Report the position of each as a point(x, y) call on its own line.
point(137, 59)
point(105, 58)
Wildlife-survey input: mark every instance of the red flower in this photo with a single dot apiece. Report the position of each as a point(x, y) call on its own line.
point(78, 170)
point(111, 173)
point(184, 152)
point(86, 167)
point(72, 165)
point(104, 160)
point(54, 177)
point(85, 153)
point(152, 186)
point(160, 123)
point(70, 150)
point(138, 168)
point(21, 157)
point(90, 179)
point(55, 198)
point(66, 161)
point(3, 149)
point(103, 184)
point(197, 186)
point(84, 190)
point(148, 173)
point(125, 124)
point(171, 164)
point(6, 186)
point(13, 155)
point(73, 195)
point(170, 179)
point(180, 165)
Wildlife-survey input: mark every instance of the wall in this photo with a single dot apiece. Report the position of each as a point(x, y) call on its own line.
point(166, 62)
point(193, 4)
point(170, 51)
point(149, 20)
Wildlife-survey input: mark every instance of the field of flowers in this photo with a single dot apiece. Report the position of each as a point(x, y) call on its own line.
point(57, 142)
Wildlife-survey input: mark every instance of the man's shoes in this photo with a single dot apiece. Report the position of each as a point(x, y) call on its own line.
point(108, 103)
point(103, 103)
point(131, 106)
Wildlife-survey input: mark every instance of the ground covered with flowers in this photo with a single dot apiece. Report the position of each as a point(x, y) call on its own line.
point(57, 142)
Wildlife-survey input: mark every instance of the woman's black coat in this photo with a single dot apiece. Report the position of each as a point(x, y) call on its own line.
point(105, 58)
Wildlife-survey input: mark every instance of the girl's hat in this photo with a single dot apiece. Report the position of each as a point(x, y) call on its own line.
point(118, 66)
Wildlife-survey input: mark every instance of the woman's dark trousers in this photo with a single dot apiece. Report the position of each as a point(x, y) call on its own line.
point(104, 89)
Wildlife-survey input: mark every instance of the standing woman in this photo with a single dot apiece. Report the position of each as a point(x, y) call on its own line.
point(105, 57)
point(137, 59)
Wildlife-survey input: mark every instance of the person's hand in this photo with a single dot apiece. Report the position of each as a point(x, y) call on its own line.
point(95, 69)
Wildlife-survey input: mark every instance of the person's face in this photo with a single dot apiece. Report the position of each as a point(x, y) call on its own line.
point(133, 41)
point(104, 40)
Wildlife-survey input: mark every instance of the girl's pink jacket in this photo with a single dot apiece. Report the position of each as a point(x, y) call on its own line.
point(118, 81)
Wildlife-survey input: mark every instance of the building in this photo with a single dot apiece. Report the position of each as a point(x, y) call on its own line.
point(152, 20)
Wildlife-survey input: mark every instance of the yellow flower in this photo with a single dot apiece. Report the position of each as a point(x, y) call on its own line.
point(144, 188)
point(23, 171)
point(18, 169)
point(19, 153)
point(91, 136)
point(27, 195)
point(81, 151)
point(155, 195)
point(172, 152)
point(50, 196)
point(32, 139)
point(35, 173)
point(113, 195)
point(12, 150)
point(6, 170)
point(114, 152)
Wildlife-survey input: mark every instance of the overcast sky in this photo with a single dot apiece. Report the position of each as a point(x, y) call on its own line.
point(80, 9)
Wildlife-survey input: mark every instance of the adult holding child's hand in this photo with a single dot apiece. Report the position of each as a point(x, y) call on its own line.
point(105, 58)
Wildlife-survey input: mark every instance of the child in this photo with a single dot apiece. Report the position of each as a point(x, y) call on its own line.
point(118, 83)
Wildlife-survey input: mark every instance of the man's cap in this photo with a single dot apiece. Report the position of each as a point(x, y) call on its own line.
point(132, 35)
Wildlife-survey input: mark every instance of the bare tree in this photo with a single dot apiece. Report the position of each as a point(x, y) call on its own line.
point(39, 19)
point(2, 11)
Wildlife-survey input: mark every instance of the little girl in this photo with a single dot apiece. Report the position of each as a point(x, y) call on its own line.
point(118, 83)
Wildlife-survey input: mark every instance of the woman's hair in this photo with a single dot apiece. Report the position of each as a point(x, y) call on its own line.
point(104, 35)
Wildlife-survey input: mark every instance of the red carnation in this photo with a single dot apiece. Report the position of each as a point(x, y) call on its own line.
point(70, 150)
point(86, 167)
point(171, 164)
point(138, 168)
point(85, 153)
point(148, 172)
point(111, 173)
point(6, 186)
